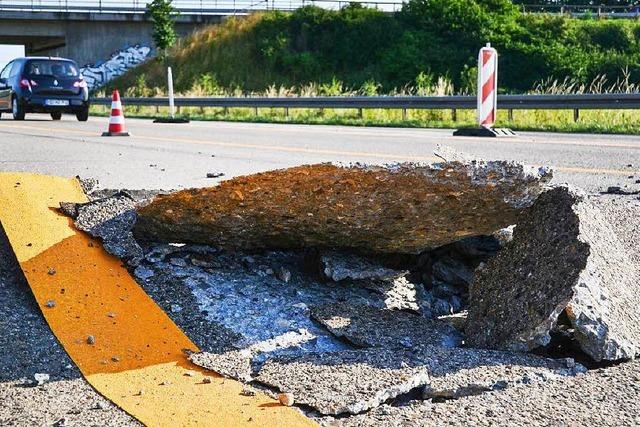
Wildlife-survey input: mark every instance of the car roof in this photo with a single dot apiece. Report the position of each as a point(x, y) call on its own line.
point(44, 58)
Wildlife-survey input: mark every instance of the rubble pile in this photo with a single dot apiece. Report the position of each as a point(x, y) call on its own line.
point(447, 272)
point(352, 290)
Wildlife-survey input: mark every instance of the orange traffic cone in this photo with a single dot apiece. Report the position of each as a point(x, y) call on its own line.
point(116, 120)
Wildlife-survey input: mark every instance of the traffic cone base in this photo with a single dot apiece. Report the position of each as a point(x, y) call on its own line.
point(116, 134)
point(116, 120)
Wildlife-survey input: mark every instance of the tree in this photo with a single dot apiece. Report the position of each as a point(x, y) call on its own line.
point(162, 14)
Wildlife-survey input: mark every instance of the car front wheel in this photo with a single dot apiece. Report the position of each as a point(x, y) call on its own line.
point(83, 115)
point(56, 116)
point(17, 110)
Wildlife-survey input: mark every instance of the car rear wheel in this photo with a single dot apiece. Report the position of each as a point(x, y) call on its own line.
point(56, 116)
point(17, 110)
point(83, 115)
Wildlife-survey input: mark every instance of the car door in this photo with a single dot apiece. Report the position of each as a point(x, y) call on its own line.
point(5, 87)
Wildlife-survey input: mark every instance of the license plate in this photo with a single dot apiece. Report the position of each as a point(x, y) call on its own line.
point(56, 102)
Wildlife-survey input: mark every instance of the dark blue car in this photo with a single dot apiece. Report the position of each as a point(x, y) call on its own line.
point(43, 85)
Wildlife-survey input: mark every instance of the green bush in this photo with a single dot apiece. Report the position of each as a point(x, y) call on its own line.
point(606, 35)
point(368, 51)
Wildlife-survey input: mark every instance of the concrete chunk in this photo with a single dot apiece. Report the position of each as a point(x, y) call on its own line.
point(401, 208)
point(237, 364)
point(234, 364)
point(367, 326)
point(565, 256)
point(110, 219)
point(351, 381)
point(338, 266)
point(354, 381)
point(400, 294)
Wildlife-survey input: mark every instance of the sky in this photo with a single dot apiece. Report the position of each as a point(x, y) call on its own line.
point(9, 52)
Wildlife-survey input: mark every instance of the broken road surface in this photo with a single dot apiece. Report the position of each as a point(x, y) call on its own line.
point(401, 208)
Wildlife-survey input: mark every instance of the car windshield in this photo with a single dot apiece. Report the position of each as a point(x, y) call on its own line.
point(59, 69)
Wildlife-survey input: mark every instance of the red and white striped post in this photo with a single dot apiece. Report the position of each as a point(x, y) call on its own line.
point(487, 97)
point(487, 86)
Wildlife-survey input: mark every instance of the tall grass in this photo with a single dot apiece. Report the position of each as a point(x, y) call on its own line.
point(599, 85)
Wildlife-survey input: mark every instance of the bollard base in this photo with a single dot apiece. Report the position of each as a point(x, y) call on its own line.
point(485, 132)
point(170, 120)
point(116, 134)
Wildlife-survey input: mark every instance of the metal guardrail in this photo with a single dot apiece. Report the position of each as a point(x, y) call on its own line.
point(510, 102)
point(185, 7)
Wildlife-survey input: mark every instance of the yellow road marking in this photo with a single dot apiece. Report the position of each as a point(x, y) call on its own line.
point(137, 360)
point(290, 149)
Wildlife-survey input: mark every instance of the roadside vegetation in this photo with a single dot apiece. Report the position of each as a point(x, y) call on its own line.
point(428, 48)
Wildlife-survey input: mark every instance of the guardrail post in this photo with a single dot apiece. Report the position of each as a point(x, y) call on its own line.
point(225, 111)
point(454, 115)
point(510, 114)
point(286, 111)
point(404, 114)
point(255, 111)
point(576, 115)
point(360, 113)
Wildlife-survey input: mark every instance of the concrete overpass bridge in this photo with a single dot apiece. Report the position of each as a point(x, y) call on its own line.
point(90, 31)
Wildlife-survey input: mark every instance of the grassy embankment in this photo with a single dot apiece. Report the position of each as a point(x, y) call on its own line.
point(427, 49)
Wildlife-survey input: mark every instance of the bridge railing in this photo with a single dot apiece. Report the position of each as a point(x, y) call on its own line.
point(205, 7)
point(200, 7)
point(453, 103)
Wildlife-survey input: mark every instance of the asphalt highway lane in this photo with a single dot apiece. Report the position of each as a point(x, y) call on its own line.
point(165, 156)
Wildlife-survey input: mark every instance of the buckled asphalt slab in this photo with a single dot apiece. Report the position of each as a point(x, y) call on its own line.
point(135, 354)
